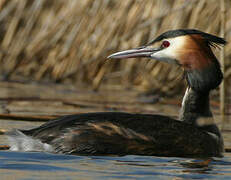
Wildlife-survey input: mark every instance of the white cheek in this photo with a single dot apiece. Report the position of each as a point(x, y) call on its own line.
point(165, 55)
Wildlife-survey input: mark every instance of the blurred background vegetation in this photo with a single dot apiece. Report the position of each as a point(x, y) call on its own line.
point(67, 41)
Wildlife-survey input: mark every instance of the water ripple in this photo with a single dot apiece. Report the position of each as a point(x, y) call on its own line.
point(54, 166)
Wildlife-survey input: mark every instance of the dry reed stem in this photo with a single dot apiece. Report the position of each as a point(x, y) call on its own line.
point(222, 59)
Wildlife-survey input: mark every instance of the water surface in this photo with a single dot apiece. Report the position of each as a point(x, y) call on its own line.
point(37, 165)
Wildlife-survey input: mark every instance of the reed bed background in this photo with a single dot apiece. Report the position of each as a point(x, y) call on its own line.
point(67, 41)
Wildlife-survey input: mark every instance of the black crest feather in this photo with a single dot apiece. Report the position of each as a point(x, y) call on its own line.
point(212, 40)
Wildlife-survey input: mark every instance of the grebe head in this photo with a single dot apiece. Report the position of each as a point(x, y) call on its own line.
point(188, 48)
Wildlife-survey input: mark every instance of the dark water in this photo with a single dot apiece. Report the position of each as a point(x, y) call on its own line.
point(29, 166)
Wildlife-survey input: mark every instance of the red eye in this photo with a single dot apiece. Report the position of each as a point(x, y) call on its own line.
point(165, 44)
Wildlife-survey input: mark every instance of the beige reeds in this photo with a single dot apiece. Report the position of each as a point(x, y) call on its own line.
point(222, 59)
point(70, 40)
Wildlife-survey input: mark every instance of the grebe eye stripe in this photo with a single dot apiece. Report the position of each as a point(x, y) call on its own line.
point(165, 44)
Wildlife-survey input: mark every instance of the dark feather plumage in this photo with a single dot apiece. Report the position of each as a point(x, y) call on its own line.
point(124, 133)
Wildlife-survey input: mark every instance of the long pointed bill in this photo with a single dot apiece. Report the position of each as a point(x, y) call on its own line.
point(133, 53)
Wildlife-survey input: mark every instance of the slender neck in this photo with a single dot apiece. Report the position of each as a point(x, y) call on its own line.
point(195, 105)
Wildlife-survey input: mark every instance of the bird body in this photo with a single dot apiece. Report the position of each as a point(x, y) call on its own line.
point(194, 134)
point(124, 133)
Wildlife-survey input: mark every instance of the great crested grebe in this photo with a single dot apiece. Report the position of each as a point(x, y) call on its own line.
point(117, 133)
